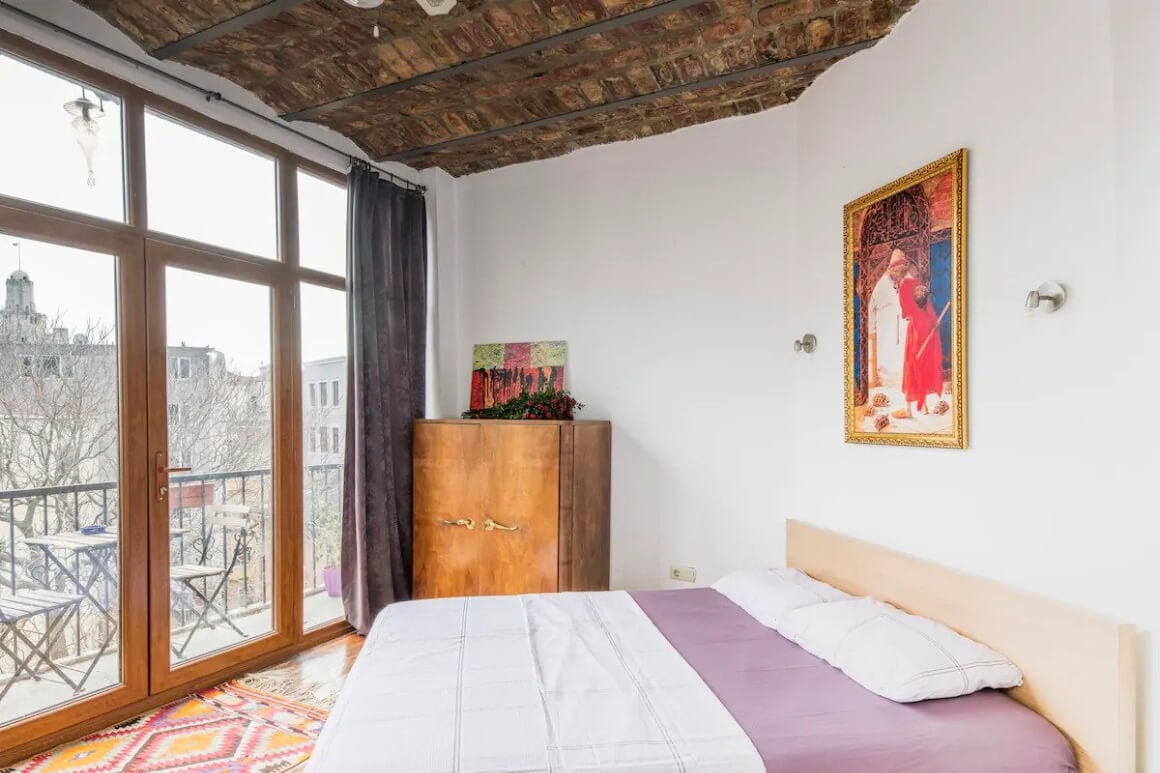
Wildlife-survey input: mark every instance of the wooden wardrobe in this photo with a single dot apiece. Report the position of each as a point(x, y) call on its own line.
point(506, 507)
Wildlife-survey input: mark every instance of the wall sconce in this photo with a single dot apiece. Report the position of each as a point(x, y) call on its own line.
point(1048, 298)
point(806, 343)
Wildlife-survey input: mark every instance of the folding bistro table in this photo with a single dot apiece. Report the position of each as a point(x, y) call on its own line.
point(99, 554)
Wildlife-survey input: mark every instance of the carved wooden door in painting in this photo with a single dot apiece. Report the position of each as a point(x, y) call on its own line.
point(520, 498)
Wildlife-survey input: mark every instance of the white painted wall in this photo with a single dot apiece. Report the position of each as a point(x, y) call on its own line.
point(662, 267)
point(1131, 535)
point(1053, 495)
point(665, 261)
point(444, 277)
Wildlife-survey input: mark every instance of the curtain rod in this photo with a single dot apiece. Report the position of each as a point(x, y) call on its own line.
point(209, 95)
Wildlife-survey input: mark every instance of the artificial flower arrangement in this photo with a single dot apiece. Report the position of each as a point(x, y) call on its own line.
point(550, 403)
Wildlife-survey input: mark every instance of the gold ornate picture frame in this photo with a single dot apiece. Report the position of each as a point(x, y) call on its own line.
point(905, 313)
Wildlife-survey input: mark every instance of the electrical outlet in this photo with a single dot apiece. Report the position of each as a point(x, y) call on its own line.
point(683, 573)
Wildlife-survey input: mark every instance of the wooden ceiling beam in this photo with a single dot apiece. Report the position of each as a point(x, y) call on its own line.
point(571, 36)
point(607, 107)
point(223, 28)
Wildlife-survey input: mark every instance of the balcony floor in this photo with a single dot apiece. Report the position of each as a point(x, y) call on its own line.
point(30, 697)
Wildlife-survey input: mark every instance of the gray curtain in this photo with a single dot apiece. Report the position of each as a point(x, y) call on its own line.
point(387, 325)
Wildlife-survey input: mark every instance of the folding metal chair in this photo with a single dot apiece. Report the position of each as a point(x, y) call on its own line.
point(56, 608)
point(232, 519)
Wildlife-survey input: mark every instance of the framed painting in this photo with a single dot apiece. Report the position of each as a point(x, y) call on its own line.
point(905, 310)
point(500, 372)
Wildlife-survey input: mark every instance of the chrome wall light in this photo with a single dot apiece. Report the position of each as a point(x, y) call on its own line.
point(1047, 298)
point(806, 343)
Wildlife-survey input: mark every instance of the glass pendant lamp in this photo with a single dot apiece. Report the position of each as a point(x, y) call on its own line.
point(86, 128)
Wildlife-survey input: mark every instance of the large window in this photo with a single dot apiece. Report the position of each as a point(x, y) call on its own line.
point(210, 190)
point(179, 368)
point(61, 142)
point(324, 426)
point(59, 468)
point(159, 335)
point(322, 224)
point(225, 420)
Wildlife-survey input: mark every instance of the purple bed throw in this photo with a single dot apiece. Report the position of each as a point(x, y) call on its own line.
point(804, 716)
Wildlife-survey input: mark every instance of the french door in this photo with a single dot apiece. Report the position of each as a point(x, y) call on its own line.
point(172, 401)
point(225, 462)
point(74, 570)
point(164, 391)
point(161, 387)
point(154, 394)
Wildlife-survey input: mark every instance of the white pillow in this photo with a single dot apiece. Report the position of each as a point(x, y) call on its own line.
point(768, 594)
point(901, 657)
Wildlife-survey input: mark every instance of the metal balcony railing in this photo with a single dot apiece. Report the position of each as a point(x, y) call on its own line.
point(50, 511)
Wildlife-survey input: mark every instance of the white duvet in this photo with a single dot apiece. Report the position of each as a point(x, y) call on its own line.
point(554, 682)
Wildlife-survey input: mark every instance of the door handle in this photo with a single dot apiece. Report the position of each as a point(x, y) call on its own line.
point(163, 475)
point(469, 523)
point(490, 525)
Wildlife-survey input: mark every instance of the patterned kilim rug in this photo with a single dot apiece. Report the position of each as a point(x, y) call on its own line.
point(227, 729)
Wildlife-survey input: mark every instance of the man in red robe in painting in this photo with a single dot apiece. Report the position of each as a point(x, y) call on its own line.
point(922, 360)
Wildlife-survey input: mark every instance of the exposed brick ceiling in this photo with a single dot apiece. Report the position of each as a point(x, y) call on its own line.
point(314, 52)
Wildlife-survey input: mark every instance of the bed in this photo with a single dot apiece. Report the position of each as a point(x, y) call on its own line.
point(687, 681)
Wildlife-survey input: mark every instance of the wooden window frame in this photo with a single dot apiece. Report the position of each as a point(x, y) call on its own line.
point(129, 241)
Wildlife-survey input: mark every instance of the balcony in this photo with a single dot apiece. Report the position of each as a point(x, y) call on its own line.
point(85, 652)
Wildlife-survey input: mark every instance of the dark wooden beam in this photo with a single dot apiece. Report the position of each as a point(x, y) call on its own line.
point(222, 28)
point(607, 107)
point(616, 22)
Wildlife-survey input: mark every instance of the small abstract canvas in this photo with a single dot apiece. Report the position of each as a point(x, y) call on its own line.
point(500, 372)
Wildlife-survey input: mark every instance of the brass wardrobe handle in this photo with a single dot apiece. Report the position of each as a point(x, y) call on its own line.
point(489, 525)
point(469, 523)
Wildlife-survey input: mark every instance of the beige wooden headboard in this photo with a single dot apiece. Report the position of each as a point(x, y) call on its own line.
point(1079, 669)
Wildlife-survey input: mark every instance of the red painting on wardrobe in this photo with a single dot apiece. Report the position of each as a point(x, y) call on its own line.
point(500, 372)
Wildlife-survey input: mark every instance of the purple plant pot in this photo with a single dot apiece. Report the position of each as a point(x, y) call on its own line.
point(332, 581)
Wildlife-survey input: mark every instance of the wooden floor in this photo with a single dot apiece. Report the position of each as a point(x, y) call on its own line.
point(326, 663)
point(314, 676)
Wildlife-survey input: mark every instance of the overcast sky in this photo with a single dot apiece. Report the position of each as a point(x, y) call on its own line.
point(198, 188)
